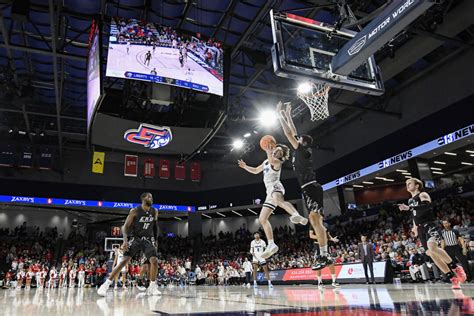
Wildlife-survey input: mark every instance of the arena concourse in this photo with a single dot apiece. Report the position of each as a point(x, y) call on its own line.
point(237, 157)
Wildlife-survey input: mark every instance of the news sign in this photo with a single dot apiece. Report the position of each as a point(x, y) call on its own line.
point(467, 131)
point(9, 199)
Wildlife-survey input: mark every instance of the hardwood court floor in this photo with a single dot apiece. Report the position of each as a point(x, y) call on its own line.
point(409, 299)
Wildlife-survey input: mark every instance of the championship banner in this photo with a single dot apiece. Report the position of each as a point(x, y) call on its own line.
point(45, 160)
point(195, 171)
point(26, 158)
point(7, 156)
point(347, 273)
point(180, 171)
point(164, 169)
point(131, 166)
point(149, 168)
point(98, 161)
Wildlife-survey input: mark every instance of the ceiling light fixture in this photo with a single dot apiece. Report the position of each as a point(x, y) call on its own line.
point(401, 170)
point(437, 172)
point(237, 213)
point(251, 211)
point(238, 143)
point(179, 219)
point(434, 168)
point(367, 182)
point(205, 215)
point(450, 153)
point(466, 163)
point(439, 162)
point(357, 186)
point(247, 135)
point(220, 214)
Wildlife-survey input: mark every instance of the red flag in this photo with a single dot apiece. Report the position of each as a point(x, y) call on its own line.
point(131, 166)
point(149, 169)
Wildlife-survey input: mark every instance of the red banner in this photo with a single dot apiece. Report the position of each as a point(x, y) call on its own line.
point(195, 171)
point(149, 168)
point(164, 169)
point(180, 171)
point(131, 166)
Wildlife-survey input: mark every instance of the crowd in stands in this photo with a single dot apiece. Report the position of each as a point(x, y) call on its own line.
point(139, 32)
point(28, 253)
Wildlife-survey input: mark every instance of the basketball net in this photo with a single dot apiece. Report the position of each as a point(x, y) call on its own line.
point(316, 100)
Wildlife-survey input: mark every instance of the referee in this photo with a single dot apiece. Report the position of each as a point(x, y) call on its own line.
point(452, 243)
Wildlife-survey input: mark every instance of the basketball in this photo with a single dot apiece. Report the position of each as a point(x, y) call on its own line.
point(266, 141)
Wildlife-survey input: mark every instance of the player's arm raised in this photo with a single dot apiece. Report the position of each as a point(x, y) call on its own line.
point(254, 170)
point(127, 227)
point(312, 235)
point(289, 132)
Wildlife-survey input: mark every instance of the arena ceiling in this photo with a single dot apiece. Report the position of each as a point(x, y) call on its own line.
point(43, 61)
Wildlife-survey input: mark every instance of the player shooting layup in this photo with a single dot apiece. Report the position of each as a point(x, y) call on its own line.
point(141, 225)
point(271, 167)
point(311, 189)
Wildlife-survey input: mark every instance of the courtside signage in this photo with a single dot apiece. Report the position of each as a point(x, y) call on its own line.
point(9, 199)
point(417, 151)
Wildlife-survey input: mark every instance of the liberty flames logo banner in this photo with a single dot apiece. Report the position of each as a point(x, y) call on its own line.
point(149, 136)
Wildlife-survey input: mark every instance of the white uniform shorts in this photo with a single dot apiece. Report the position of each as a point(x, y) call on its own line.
point(272, 188)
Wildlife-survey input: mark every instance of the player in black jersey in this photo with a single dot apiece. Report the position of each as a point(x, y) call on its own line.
point(141, 225)
point(311, 190)
point(147, 58)
point(428, 231)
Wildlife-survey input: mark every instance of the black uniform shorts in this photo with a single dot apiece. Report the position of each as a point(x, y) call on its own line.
point(313, 197)
point(429, 232)
point(143, 244)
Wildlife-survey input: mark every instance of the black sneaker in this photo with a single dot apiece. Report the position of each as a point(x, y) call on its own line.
point(321, 262)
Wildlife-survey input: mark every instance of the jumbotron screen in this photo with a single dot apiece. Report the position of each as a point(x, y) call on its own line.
point(93, 72)
point(150, 52)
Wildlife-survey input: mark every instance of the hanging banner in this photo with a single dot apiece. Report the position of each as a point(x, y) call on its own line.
point(164, 169)
point(195, 171)
point(180, 171)
point(7, 156)
point(45, 160)
point(98, 160)
point(26, 158)
point(149, 168)
point(131, 166)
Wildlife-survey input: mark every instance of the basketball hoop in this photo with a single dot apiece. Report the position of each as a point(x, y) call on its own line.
point(317, 100)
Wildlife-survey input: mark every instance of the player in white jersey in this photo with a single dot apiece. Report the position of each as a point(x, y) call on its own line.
point(128, 47)
point(119, 257)
point(257, 247)
point(271, 168)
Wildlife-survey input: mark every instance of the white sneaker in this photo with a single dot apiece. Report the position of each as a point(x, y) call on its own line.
point(153, 289)
point(102, 291)
point(248, 285)
point(298, 219)
point(141, 288)
point(255, 286)
point(335, 284)
point(270, 251)
point(270, 286)
point(320, 286)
